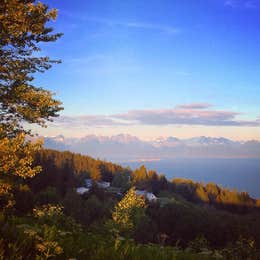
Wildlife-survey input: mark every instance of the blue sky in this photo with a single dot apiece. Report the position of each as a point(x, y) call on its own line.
point(147, 59)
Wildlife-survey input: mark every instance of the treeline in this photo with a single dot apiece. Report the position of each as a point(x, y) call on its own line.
point(214, 195)
point(210, 193)
point(66, 170)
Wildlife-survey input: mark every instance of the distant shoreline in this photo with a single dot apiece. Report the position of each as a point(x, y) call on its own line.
point(242, 174)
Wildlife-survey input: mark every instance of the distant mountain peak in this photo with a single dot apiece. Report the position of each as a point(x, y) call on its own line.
point(124, 138)
point(166, 141)
point(206, 140)
point(130, 147)
point(57, 138)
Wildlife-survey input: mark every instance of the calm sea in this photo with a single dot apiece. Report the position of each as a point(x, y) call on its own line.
point(240, 174)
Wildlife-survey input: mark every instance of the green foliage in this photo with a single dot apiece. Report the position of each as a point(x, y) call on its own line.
point(40, 236)
point(181, 213)
point(72, 203)
point(61, 238)
point(243, 248)
point(50, 233)
point(121, 180)
point(149, 180)
point(23, 27)
point(87, 209)
point(16, 159)
point(183, 220)
point(47, 196)
point(199, 244)
point(129, 212)
point(66, 170)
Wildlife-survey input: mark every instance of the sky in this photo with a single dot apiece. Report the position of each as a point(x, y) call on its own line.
point(154, 68)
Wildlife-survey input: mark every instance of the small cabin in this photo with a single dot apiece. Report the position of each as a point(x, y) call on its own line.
point(82, 190)
point(148, 195)
point(100, 184)
point(103, 184)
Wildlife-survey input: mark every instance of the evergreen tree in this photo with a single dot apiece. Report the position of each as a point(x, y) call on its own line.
point(140, 174)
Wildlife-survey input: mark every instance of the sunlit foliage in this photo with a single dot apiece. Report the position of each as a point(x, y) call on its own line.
point(129, 211)
point(22, 29)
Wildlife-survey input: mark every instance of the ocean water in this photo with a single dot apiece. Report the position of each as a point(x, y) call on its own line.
point(240, 174)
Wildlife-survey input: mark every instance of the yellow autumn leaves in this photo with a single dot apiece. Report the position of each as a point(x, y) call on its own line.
point(16, 156)
point(128, 210)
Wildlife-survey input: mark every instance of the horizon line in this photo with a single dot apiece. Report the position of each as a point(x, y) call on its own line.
point(147, 139)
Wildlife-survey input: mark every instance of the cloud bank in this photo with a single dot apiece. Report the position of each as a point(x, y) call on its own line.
point(185, 114)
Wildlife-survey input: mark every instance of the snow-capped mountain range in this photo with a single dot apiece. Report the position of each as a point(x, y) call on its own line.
point(127, 147)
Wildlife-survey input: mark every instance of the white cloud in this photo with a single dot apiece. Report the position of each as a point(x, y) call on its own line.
point(186, 114)
point(195, 106)
point(248, 4)
point(163, 28)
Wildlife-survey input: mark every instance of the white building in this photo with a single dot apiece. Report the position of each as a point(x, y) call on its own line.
point(148, 195)
point(103, 184)
point(82, 190)
point(151, 197)
point(100, 184)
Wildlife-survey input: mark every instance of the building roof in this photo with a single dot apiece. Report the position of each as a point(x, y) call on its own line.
point(82, 190)
point(146, 194)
